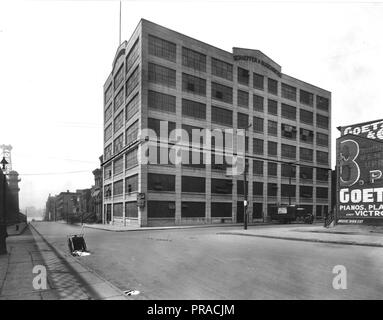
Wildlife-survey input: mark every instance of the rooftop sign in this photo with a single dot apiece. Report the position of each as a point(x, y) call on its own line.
point(256, 56)
point(370, 129)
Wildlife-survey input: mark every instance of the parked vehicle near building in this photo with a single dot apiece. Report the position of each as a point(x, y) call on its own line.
point(290, 213)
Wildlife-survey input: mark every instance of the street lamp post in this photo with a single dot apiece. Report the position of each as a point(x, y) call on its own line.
point(3, 225)
point(245, 199)
point(290, 177)
point(291, 172)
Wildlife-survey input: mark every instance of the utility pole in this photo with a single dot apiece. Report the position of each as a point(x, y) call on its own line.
point(291, 172)
point(290, 177)
point(245, 196)
point(244, 183)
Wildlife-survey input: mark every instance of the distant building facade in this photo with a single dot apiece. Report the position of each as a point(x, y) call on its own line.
point(96, 192)
point(83, 205)
point(162, 75)
point(50, 209)
point(66, 205)
point(11, 200)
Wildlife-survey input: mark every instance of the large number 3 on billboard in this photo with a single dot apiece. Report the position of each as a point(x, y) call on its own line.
point(349, 169)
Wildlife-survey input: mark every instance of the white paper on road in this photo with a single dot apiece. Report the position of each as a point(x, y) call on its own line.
point(81, 253)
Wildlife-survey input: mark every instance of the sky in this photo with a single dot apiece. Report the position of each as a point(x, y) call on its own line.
point(56, 55)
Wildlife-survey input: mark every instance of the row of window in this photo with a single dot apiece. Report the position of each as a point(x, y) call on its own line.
point(132, 81)
point(131, 185)
point(163, 182)
point(131, 210)
point(289, 132)
point(196, 85)
point(131, 135)
point(289, 171)
point(193, 59)
point(189, 209)
point(117, 166)
point(224, 93)
point(130, 110)
point(195, 209)
point(287, 190)
point(167, 103)
point(287, 151)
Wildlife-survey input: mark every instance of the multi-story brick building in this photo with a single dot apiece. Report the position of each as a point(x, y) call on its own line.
point(96, 193)
point(162, 75)
point(65, 205)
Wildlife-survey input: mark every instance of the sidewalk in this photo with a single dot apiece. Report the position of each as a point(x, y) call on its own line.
point(121, 228)
point(14, 231)
point(67, 279)
point(346, 235)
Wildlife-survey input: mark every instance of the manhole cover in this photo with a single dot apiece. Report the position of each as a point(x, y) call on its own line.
point(131, 292)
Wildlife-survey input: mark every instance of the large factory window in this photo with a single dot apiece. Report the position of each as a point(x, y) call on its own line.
point(193, 59)
point(193, 84)
point(221, 69)
point(258, 103)
point(223, 186)
point(132, 56)
point(193, 184)
point(161, 182)
point(161, 101)
point(161, 209)
point(272, 86)
point(221, 209)
point(162, 48)
point(131, 184)
point(288, 151)
point(306, 116)
point(131, 210)
point(243, 98)
point(306, 98)
point(193, 109)
point(191, 209)
point(289, 92)
point(162, 75)
point(258, 81)
point(243, 76)
point(221, 92)
point(272, 107)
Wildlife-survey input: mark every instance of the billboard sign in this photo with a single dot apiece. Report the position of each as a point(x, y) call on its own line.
point(370, 129)
point(360, 178)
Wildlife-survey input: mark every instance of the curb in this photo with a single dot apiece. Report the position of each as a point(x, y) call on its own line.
point(183, 227)
point(351, 243)
point(71, 259)
point(166, 228)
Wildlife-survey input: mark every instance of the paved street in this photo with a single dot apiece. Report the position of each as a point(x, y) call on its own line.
point(203, 263)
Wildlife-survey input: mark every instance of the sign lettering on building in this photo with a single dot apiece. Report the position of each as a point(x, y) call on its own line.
point(257, 60)
point(360, 178)
point(370, 129)
point(141, 200)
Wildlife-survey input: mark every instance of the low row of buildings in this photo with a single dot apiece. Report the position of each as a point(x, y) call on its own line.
point(83, 205)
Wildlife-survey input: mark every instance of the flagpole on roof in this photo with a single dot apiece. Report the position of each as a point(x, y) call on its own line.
point(119, 41)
